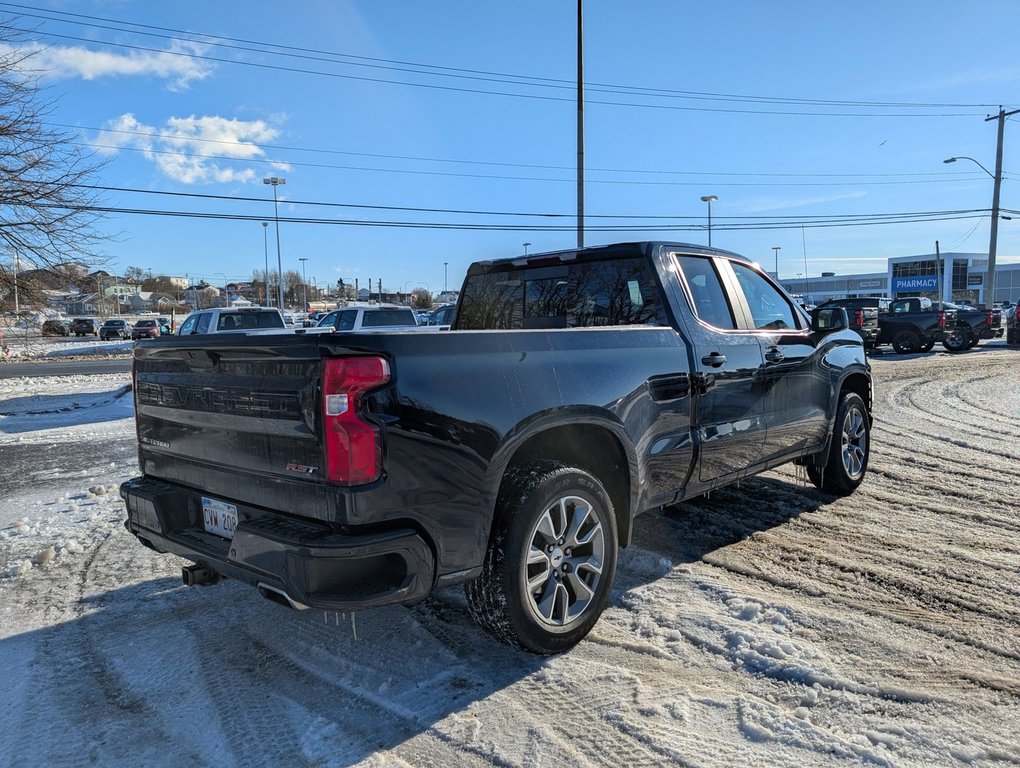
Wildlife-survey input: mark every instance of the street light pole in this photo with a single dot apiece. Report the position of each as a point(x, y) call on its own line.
point(776, 249)
point(304, 280)
point(444, 275)
point(526, 246)
point(275, 182)
point(709, 199)
point(265, 248)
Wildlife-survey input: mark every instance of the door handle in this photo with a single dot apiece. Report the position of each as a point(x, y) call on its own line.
point(713, 360)
point(774, 356)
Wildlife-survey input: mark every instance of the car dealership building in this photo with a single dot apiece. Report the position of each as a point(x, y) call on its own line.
point(957, 277)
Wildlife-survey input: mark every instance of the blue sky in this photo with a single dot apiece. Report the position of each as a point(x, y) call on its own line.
point(706, 99)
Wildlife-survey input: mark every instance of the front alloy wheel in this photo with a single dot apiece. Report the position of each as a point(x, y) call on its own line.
point(956, 341)
point(854, 442)
point(847, 459)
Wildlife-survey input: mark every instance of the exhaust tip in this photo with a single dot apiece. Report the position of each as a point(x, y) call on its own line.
point(277, 595)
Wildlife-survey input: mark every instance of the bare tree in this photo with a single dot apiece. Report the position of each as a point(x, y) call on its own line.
point(135, 275)
point(48, 206)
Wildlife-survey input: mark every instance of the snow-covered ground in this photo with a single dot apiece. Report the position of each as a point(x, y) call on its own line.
point(769, 624)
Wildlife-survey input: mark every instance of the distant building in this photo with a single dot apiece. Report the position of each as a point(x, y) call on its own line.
point(952, 276)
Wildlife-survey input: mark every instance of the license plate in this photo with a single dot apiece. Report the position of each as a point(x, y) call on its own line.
point(219, 517)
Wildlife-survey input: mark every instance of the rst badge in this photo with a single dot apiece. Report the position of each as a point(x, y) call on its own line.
point(302, 469)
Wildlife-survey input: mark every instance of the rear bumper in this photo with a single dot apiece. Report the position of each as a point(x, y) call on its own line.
point(307, 562)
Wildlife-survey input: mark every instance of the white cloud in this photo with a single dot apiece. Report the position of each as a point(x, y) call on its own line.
point(174, 65)
point(194, 150)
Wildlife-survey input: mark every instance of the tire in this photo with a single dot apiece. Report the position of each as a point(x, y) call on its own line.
point(905, 342)
point(1010, 336)
point(847, 462)
point(957, 340)
point(972, 343)
point(545, 514)
point(926, 347)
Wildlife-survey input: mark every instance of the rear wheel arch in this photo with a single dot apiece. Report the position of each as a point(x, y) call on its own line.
point(594, 446)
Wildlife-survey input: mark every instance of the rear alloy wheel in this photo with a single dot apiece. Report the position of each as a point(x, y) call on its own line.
point(551, 560)
point(847, 461)
point(905, 342)
point(957, 340)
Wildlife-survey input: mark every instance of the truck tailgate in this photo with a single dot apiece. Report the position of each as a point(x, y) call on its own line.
point(237, 420)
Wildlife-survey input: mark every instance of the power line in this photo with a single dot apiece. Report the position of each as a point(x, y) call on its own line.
point(818, 222)
point(962, 175)
point(277, 49)
point(523, 214)
point(448, 174)
point(476, 91)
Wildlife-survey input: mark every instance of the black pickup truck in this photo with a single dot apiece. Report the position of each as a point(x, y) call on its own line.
point(576, 390)
point(972, 326)
point(915, 324)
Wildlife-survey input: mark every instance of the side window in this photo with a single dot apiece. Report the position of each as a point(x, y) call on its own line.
point(227, 323)
point(347, 320)
point(203, 323)
point(328, 320)
point(769, 308)
point(621, 291)
point(707, 294)
point(188, 327)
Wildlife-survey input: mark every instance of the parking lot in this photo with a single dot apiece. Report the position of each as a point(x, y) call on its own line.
point(767, 624)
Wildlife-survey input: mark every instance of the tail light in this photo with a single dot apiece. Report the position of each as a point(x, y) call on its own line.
point(353, 447)
point(989, 315)
point(858, 318)
point(942, 320)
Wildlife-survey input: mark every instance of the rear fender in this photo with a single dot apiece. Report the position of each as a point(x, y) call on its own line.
point(547, 436)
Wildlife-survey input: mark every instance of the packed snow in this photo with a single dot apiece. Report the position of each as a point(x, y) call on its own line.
point(768, 624)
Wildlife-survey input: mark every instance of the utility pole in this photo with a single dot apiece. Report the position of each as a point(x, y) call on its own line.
point(776, 249)
point(580, 128)
point(993, 237)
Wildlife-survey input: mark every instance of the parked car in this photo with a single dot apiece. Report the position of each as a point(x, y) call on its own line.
point(511, 453)
point(443, 315)
point(146, 329)
point(84, 326)
point(231, 320)
point(56, 328)
point(114, 329)
point(375, 319)
point(313, 319)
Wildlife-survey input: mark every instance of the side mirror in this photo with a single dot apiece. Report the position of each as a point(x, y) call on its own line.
point(829, 319)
